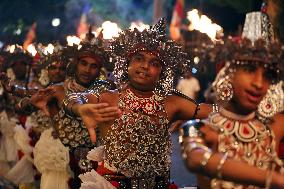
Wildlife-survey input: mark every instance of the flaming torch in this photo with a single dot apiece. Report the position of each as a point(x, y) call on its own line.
point(204, 25)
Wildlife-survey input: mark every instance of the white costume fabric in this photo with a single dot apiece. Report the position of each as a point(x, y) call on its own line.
point(23, 171)
point(93, 180)
point(51, 158)
point(8, 147)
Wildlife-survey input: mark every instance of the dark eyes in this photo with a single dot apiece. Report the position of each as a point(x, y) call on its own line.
point(155, 63)
point(62, 68)
point(249, 68)
point(269, 74)
point(140, 58)
point(82, 62)
point(85, 63)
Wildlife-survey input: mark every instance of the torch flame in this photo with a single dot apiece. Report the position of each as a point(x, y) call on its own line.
point(203, 24)
point(110, 30)
point(71, 40)
point(49, 49)
point(139, 25)
point(11, 48)
point(31, 49)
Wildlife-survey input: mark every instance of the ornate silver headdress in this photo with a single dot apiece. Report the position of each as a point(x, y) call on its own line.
point(93, 47)
point(47, 60)
point(154, 40)
point(257, 26)
point(258, 48)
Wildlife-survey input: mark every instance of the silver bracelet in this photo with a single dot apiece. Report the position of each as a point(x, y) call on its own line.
point(215, 108)
point(190, 146)
point(220, 165)
point(206, 156)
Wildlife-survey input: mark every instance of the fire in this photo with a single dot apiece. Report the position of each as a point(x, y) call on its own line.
point(110, 29)
point(49, 49)
point(31, 49)
point(139, 25)
point(203, 24)
point(71, 40)
point(11, 48)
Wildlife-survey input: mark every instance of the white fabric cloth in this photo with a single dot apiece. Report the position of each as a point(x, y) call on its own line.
point(23, 171)
point(8, 146)
point(96, 154)
point(93, 180)
point(51, 158)
point(189, 87)
point(23, 141)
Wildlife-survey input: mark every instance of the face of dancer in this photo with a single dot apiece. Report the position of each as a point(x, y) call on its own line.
point(20, 69)
point(250, 84)
point(56, 72)
point(144, 71)
point(88, 69)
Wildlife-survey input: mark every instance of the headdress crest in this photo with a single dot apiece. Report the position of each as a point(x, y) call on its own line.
point(155, 41)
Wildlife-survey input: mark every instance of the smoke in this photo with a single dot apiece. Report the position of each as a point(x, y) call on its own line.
point(120, 11)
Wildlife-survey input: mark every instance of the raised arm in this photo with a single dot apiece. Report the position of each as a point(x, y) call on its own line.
point(87, 106)
point(181, 107)
point(203, 160)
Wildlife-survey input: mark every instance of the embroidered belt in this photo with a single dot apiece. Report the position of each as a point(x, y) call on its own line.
point(159, 182)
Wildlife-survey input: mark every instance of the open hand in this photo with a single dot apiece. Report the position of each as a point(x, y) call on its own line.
point(41, 98)
point(94, 114)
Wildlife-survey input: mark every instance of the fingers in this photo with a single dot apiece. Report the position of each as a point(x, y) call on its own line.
point(100, 105)
point(108, 110)
point(109, 114)
point(92, 134)
point(106, 119)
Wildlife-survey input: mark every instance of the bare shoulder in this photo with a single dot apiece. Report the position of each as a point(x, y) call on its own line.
point(277, 125)
point(278, 120)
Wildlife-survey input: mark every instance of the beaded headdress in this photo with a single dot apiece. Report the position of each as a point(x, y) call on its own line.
point(56, 57)
point(90, 46)
point(255, 49)
point(154, 40)
point(94, 47)
point(18, 54)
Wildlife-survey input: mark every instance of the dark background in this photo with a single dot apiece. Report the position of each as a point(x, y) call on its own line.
point(18, 15)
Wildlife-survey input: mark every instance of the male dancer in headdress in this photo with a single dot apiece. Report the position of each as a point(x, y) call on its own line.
point(85, 72)
point(137, 144)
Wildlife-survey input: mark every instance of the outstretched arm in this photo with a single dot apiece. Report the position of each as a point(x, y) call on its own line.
point(17, 90)
point(181, 107)
point(203, 160)
point(92, 112)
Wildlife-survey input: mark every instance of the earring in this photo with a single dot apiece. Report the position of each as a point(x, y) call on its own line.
point(224, 89)
point(267, 107)
point(43, 78)
point(102, 75)
point(272, 102)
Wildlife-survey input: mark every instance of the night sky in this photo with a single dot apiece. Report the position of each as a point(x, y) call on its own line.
point(19, 14)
